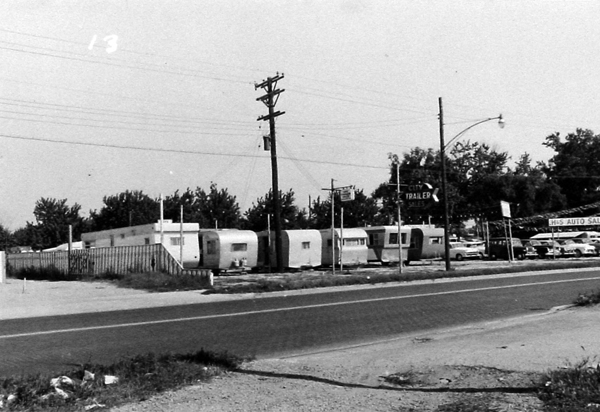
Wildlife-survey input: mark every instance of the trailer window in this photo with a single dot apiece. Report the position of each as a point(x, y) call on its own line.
point(394, 238)
point(239, 247)
point(435, 240)
point(177, 241)
point(355, 241)
point(211, 247)
point(305, 245)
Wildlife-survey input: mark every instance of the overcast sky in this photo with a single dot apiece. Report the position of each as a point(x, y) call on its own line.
point(99, 97)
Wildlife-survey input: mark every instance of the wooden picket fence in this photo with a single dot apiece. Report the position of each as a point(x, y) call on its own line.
point(100, 261)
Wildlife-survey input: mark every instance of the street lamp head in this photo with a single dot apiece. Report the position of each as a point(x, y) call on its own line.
point(501, 121)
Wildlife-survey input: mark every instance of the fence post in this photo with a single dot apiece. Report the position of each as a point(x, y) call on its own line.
point(2, 267)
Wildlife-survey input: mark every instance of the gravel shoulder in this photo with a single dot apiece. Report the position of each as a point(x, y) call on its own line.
point(483, 364)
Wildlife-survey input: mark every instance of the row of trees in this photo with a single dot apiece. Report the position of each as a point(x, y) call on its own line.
point(478, 178)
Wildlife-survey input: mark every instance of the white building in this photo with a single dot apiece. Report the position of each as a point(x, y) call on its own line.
point(177, 238)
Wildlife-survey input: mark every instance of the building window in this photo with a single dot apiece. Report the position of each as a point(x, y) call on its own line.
point(147, 241)
point(177, 241)
point(239, 247)
point(305, 245)
point(122, 235)
point(112, 240)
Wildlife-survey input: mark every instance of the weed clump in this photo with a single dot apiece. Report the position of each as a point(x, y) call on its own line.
point(134, 379)
point(573, 389)
point(587, 299)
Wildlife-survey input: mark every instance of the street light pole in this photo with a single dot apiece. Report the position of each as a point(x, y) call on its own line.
point(443, 147)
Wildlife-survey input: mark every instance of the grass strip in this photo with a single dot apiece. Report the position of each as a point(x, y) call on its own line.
point(139, 378)
point(323, 279)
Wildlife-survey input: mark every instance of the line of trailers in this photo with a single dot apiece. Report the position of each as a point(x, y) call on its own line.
point(224, 250)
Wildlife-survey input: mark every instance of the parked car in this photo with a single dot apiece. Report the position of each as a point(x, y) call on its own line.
point(543, 250)
point(581, 249)
point(477, 244)
point(596, 244)
point(557, 249)
point(531, 251)
point(459, 251)
point(498, 248)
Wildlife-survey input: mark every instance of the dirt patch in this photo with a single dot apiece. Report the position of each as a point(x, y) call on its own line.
point(287, 387)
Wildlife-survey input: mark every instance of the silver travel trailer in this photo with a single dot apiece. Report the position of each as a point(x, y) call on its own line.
point(300, 248)
point(354, 249)
point(426, 243)
point(383, 243)
point(225, 250)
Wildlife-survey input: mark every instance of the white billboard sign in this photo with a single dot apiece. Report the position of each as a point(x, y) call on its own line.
point(346, 193)
point(574, 221)
point(505, 207)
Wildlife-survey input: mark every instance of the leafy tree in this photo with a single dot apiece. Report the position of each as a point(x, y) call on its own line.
point(292, 217)
point(218, 208)
point(575, 165)
point(358, 212)
point(417, 166)
point(129, 208)
point(6, 238)
point(51, 227)
point(192, 208)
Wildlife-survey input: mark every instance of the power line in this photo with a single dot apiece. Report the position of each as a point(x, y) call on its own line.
point(109, 120)
point(359, 102)
point(122, 49)
point(111, 61)
point(300, 166)
point(95, 126)
point(117, 113)
point(92, 92)
point(357, 140)
point(191, 152)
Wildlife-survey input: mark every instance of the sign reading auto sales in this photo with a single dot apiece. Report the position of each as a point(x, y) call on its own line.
point(575, 221)
point(418, 195)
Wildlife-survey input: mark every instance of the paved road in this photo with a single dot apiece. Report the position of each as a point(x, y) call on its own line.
point(277, 326)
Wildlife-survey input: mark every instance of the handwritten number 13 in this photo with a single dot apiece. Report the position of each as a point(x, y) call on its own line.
point(111, 42)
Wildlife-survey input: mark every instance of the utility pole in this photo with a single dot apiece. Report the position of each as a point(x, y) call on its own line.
point(270, 100)
point(444, 189)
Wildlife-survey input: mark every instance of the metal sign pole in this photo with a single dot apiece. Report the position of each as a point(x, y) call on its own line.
point(342, 240)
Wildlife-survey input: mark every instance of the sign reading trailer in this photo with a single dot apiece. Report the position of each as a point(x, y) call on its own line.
point(574, 221)
point(419, 194)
